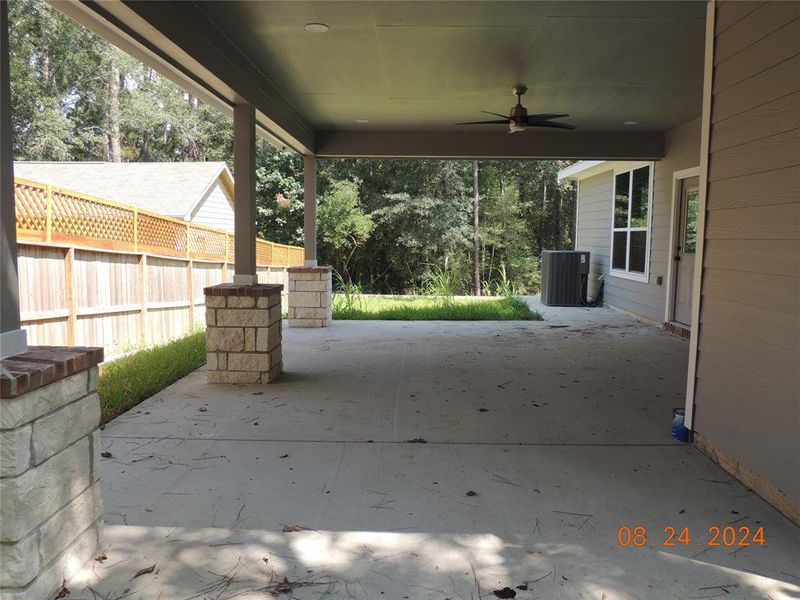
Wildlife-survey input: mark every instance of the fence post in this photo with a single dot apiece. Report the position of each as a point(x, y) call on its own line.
point(188, 233)
point(143, 300)
point(190, 284)
point(49, 214)
point(69, 276)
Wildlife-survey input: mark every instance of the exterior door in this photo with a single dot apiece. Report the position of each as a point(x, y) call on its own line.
point(685, 250)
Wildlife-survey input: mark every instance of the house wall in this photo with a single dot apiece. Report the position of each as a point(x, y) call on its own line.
point(594, 226)
point(747, 394)
point(216, 210)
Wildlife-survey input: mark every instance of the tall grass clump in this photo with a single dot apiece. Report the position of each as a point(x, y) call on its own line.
point(127, 381)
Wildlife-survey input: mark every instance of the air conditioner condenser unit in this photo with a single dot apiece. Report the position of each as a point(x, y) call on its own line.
point(565, 277)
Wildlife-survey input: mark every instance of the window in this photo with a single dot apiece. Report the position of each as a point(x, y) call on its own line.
point(630, 236)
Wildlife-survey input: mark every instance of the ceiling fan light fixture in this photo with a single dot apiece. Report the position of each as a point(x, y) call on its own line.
point(515, 127)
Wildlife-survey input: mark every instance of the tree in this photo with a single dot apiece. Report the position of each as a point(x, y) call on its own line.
point(279, 195)
point(343, 225)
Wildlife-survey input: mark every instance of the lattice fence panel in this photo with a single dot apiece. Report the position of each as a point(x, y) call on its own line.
point(88, 220)
point(207, 243)
point(280, 255)
point(162, 235)
point(296, 256)
point(231, 249)
point(31, 205)
point(263, 252)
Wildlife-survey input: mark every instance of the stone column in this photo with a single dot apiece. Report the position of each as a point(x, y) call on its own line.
point(310, 302)
point(49, 469)
point(243, 333)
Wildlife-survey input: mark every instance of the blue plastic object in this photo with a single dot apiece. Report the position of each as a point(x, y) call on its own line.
point(679, 430)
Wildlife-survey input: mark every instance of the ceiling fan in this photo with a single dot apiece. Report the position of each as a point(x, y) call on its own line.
point(518, 118)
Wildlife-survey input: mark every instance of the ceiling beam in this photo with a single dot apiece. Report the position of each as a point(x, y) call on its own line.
point(178, 41)
point(538, 144)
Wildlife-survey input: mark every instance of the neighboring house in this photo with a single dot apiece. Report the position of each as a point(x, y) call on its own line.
point(638, 221)
point(200, 192)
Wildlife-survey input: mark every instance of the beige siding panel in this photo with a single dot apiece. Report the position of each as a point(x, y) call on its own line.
point(772, 327)
point(775, 82)
point(775, 292)
point(755, 26)
point(766, 154)
point(770, 257)
point(779, 45)
point(759, 189)
point(747, 397)
point(763, 121)
point(731, 12)
point(751, 358)
point(780, 222)
point(751, 420)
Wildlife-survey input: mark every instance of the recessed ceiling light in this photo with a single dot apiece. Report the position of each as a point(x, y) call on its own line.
point(317, 27)
point(362, 120)
point(631, 123)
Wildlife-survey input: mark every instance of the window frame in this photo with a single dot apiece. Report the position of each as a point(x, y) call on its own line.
point(648, 229)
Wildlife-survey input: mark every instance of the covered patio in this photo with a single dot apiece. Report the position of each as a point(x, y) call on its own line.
point(443, 460)
point(433, 460)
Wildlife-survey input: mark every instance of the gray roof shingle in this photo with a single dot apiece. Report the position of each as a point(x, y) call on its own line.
point(167, 188)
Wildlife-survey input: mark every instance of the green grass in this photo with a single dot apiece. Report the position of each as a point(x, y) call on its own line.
point(127, 381)
point(425, 308)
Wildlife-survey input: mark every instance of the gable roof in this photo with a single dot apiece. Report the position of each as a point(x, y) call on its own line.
point(167, 188)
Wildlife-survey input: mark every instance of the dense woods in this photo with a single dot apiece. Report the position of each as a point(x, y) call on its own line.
point(385, 225)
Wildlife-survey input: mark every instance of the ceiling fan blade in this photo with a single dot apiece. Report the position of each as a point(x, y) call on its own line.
point(488, 112)
point(552, 124)
point(547, 116)
point(497, 122)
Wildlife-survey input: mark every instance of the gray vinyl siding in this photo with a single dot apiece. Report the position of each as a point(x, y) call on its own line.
point(216, 210)
point(747, 398)
point(594, 226)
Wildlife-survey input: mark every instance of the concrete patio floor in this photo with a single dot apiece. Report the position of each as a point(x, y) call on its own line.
point(432, 460)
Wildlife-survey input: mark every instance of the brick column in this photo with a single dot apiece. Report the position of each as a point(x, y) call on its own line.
point(243, 333)
point(310, 291)
point(51, 505)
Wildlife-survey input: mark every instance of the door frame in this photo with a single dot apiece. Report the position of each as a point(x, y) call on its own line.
point(674, 236)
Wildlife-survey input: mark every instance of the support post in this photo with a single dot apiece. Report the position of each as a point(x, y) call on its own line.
point(69, 276)
point(310, 210)
point(190, 286)
point(13, 339)
point(244, 204)
point(143, 300)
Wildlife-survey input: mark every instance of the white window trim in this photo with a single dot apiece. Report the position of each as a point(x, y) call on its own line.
point(641, 277)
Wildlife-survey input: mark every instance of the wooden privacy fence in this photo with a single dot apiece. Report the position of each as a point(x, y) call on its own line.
point(97, 273)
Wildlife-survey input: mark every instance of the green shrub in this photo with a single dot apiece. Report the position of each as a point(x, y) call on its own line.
point(127, 381)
